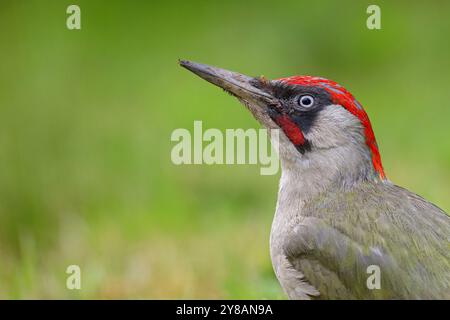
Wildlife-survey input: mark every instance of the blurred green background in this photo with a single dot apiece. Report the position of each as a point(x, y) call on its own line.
point(86, 118)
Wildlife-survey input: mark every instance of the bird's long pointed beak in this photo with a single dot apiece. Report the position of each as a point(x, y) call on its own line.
point(235, 83)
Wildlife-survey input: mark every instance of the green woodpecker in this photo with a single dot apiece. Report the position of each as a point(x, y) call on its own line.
point(341, 229)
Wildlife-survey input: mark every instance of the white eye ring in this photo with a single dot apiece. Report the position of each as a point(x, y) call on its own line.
point(306, 101)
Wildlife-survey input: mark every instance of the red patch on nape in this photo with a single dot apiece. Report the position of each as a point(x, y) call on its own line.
point(344, 98)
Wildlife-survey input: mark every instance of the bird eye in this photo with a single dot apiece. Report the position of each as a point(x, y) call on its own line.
point(306, 101)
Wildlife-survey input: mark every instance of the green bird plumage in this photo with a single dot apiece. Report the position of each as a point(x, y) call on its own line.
point(341, 229)
point(372, 224)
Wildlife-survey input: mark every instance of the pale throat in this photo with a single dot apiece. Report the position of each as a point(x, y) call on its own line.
point(338, 167)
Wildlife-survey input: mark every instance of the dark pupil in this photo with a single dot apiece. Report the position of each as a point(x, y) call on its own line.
point(306, 101)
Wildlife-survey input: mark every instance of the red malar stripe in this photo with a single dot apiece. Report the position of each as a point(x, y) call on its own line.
point(291, 129)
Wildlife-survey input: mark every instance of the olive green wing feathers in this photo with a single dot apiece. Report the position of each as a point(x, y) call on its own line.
point(342, 238)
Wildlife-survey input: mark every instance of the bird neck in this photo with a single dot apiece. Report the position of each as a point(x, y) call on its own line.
point(339, 167)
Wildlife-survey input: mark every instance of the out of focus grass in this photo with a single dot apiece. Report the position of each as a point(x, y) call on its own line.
point(86, 118)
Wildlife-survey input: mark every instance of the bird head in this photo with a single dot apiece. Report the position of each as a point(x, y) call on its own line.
point(322, 124)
